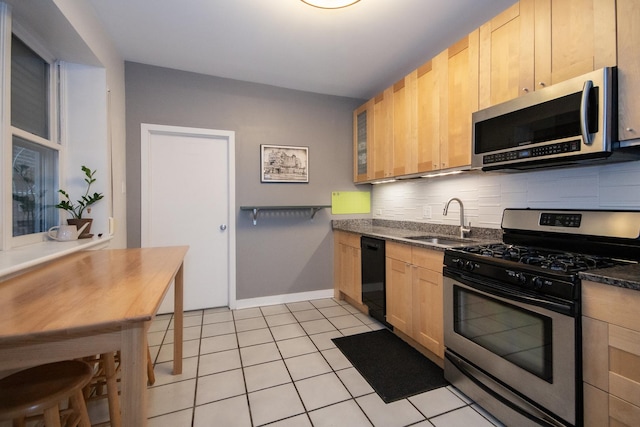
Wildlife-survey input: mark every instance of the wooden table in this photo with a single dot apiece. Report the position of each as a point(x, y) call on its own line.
point(93, 302)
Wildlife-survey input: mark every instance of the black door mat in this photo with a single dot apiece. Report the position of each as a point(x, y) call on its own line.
point(392, 367)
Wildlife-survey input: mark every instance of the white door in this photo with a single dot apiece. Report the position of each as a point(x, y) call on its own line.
point(187, 195)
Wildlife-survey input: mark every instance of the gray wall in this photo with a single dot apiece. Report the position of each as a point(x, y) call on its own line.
point(285, 253)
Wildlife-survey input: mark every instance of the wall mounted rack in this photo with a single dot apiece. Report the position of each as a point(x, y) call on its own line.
point(255, 210)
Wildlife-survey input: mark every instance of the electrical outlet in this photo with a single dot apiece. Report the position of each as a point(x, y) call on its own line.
point(426, 212)
point(378, 212)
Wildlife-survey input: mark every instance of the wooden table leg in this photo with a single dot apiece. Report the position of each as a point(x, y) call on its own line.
point(133, 362)
point(178, 317)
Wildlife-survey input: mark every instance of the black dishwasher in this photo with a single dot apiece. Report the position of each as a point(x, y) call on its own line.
point(373, 278)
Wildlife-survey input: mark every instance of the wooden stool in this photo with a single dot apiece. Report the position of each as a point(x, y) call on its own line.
point(41, 389)
point(104, 383)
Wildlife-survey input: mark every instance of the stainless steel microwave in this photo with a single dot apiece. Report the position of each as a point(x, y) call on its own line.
point(568, 123)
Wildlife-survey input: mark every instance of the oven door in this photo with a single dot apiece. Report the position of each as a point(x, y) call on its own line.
point(524, 351)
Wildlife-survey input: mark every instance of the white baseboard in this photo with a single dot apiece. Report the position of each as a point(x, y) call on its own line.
point(283, 299)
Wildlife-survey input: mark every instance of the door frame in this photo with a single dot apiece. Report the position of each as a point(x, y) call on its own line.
point(147, 130)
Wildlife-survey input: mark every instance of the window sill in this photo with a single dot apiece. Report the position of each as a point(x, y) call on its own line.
point(20, 259)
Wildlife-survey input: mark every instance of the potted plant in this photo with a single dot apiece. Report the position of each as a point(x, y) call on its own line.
point(84, 203)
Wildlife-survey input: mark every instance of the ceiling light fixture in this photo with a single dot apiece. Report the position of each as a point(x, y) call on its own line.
point(330, 4)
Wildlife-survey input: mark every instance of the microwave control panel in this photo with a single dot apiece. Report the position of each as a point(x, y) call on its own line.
point(529, 153)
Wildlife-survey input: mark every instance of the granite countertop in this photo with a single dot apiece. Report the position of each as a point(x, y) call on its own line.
point(625, 276)
point(402, 231)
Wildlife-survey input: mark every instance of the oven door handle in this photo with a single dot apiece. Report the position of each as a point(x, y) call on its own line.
point(492, 289)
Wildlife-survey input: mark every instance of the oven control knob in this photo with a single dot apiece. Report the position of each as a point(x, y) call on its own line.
point(537, 282)
point(469, 265)
point(521, 278)
point(457, 262)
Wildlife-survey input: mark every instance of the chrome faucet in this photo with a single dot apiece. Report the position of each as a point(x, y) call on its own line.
point(464, 232)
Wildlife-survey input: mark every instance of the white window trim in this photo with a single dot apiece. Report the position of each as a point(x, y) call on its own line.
point(5, 133)
point(8, 27)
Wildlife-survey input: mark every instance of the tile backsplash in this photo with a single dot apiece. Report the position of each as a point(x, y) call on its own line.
point(486, 194)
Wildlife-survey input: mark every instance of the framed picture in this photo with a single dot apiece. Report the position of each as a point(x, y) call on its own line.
point(284, 163)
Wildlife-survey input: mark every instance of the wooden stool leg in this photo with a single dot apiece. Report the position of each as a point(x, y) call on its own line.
point(112, 389)
point(151, 376)
point(78, 404)
point(52, 416)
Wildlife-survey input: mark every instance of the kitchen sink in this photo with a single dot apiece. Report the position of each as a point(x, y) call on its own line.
point(439, 240)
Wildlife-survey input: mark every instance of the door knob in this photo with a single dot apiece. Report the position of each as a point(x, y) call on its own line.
point(223, 227)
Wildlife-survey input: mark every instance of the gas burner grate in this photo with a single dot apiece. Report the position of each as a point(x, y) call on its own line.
point(566, 262)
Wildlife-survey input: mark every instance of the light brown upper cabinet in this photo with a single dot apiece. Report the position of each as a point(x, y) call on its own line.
point(506, 55)
point(573, 37)
point(537, 43)
point(363, 143)
point(432, 111)
point(423, 122)
point(416, 121)
point(428, 117)
point(628, 69)
point(383, 134)
point(460, 66)
point(405, 133)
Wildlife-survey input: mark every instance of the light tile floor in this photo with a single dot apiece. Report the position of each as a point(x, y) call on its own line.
point(277, 366)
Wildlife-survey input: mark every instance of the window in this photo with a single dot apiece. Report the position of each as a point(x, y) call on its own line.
point(29, 90)
point(34, 155)
point(34, 171)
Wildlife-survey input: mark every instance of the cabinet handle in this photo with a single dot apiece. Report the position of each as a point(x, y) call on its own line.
point(629, 129)
point(525, 89)
point(542, 84)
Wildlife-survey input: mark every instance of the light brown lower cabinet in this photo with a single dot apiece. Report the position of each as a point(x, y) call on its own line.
point(414, 294)
point(611, 355)
point(347, 273)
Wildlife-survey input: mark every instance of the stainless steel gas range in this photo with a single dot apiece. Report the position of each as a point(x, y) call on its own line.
point(512, 327)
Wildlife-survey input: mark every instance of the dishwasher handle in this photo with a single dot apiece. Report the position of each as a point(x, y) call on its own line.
point(371, 244)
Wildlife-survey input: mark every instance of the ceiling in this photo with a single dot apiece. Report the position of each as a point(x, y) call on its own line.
point(354, 52)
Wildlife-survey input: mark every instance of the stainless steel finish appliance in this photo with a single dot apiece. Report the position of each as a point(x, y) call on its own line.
point(373, 278)
point(565, 124)
point(512, 327)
